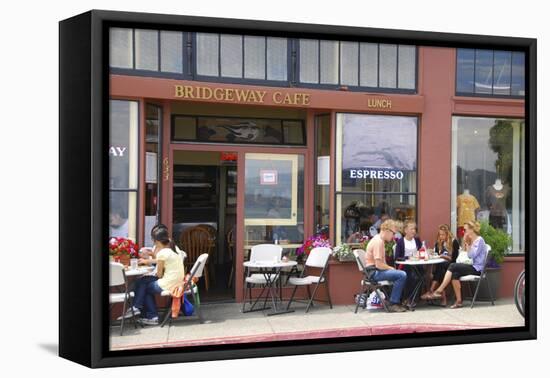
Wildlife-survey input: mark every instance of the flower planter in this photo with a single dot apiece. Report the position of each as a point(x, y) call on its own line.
point(346, 258)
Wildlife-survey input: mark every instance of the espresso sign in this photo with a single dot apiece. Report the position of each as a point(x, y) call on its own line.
point(376, 173)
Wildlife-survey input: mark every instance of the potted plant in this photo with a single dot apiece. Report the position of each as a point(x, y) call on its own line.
point(500, 243)
point(317, 240)
point(122, 250)
point(344, 252)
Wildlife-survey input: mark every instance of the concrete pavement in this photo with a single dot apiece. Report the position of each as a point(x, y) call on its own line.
point(225, 323)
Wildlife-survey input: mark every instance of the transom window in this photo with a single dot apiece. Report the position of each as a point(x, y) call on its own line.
point(490, 73)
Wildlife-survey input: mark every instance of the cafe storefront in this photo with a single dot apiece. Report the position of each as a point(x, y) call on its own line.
point(262, 161)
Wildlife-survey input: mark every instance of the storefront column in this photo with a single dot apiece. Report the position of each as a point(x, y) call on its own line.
point(165, 167)
point(434, 167)
point(141, 175)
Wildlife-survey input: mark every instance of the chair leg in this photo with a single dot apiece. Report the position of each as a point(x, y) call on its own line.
point(490, 291)
point(313, 296)
point(292, 296)
point(475, 294)
point(328, 294)
point(123, 315)
point(167, 314)
point(244, 295)
point(133, 315)
point(206, 278)
point(197, 305)
point(308, 293)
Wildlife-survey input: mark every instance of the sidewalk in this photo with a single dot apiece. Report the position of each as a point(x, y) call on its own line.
point(225, 324)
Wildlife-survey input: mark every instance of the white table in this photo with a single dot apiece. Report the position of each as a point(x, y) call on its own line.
point(415, 264)
point(270, 269)
point(140, 271)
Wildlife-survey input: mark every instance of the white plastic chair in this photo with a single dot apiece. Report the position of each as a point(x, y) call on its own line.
point(318, 258)
point(117, 278)
point(258, 253)
point(190, 288)
point(482, 277)
point(367, 286)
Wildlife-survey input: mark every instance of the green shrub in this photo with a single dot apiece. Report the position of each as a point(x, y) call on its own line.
point(499, 241)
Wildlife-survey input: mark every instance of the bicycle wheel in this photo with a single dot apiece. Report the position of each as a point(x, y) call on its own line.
point(519, 293)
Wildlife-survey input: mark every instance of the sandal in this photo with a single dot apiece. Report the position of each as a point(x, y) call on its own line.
point(436, 295)
point(456, 305)
point(426, 296)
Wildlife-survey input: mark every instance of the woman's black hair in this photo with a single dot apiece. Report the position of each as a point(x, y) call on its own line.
point(160, 234)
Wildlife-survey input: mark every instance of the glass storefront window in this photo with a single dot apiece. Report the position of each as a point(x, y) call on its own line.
point(376, 178)
point(274, 198)
point(171, 51)
point(123, 168)
point(488, 165)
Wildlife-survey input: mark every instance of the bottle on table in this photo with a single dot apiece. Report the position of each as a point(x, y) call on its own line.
point(422, 254)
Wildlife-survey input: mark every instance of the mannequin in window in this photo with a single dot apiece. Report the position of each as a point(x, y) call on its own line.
point(467, 207)
point(495, 198)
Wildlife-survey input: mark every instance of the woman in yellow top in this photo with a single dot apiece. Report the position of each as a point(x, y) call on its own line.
point(169, 274)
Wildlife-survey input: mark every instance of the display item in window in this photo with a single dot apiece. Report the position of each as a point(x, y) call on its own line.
point(467, 207)
point(495, 198)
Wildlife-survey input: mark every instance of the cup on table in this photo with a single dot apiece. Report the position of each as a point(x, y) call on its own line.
point(133, 264)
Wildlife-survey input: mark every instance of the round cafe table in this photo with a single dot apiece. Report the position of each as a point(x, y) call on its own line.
point(140, 271)
point(415, 264)
point(270, 270)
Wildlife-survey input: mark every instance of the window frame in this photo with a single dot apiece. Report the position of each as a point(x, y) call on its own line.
point(135, 190)
point(185, 58)
point(357, 88)
point(243, 80)
point(492, 95)
point(338, 171)
point(197, 116)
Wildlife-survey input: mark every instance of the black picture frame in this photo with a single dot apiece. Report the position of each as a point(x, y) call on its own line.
point(83, 197)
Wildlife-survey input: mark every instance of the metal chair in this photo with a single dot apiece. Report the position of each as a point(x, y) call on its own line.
point(482, 277)
point(318, 258)
point(368, 286)
point(260, 252)
point(196, 241)
point(117, 278)
point(189, 288)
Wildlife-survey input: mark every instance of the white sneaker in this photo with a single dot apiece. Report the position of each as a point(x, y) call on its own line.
point(128, 313)
point(152, 321)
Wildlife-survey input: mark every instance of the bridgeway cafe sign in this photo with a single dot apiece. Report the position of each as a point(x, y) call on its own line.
point(248, 96)
point(375, 173)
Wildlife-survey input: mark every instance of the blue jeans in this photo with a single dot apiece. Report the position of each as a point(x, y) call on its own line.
point(398, 277)
point(145, 290)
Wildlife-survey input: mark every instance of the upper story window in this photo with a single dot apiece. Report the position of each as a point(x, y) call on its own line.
point(146, 50)
point(264, 60)
point(490, 73)
point(241, 57)
point(357, 64)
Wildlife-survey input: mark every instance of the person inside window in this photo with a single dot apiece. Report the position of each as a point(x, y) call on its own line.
point(405, 248)
point(118, 223)
point(447, 247)
point(378, 270)
point(477, 251)
point(169, 274)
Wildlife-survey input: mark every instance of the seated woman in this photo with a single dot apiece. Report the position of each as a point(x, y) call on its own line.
point(404, 249)
point(169, 274)
point(148, 255)
point(447, 247)
point(477, 250)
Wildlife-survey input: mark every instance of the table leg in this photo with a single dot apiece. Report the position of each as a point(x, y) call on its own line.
point(273, 292)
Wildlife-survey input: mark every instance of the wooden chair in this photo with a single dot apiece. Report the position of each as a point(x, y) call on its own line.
point(231, 250)
point(195, 241)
